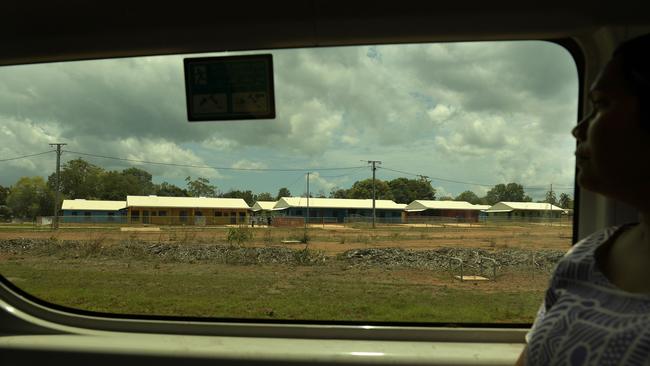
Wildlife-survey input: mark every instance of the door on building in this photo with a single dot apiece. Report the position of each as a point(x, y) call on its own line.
point(145, 217)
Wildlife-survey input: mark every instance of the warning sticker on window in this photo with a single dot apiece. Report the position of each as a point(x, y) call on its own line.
point(229, 88)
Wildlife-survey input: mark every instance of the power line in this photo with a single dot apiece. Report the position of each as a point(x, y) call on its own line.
point(344, 175)
point(27, 156)
point(358, 168)
point(293, 183)
point(469, 183)
point(212, 167)
point(436, 178)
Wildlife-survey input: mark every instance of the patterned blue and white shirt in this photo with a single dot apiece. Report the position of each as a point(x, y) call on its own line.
point(585, 319)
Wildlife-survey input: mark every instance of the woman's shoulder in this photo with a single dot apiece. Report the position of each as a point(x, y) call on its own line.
point(578, 263)
point(592, 242)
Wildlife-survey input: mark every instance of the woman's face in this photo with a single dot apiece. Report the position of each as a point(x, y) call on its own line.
point(613, 153)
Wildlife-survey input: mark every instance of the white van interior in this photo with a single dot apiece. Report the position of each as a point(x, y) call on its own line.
point(51, 32)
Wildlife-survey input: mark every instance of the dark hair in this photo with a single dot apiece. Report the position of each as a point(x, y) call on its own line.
point(635, 57)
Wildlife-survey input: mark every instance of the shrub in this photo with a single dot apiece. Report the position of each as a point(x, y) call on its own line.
point(239, 235)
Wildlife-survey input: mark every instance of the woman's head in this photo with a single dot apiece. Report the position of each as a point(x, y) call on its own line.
point(613, 154)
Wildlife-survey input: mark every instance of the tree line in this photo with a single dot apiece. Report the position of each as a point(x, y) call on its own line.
point(34, 196)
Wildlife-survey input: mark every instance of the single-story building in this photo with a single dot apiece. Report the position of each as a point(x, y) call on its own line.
point(426, 209)
point(81, 210)
point(186, 210)
point(338, 209)
point(514, 210)
point(263, 208)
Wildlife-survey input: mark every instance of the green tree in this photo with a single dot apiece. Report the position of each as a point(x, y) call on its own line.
point(31, 197)
point(406, 190)
point(363, 190)
point(165, 189)
point(511, 192)
point(200, 187)
point(138, 181)
point(264, 196)
point(79, 179)
point(116, 185)
point(5, 213)
point(565, 201)
point(446, 198)
point(468, 196)
point(283, 192)
point(337, 192)
point(4, 192)
point(550, 198)
point(245, 195)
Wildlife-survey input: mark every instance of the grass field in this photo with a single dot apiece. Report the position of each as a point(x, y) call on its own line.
point(332, 291)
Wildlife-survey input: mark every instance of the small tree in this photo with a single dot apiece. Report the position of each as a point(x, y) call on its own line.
point(550, 198)
point(283, 192)
point(468, 196)
point(4, 192)
point(264, 196)
point(565, 201)
point(337, 192)
point(30, 197)
point(200, 187)
point(511, 192)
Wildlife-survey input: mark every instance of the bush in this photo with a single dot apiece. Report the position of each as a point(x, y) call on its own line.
point(239, 235)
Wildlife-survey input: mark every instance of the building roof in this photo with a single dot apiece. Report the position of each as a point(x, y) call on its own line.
point(186, 202)
point(421, 205)
point(286, 202)
point(523, 206)
point(264, 205)
point(93, 205)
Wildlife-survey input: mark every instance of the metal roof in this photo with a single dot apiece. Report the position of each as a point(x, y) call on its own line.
point(529, 206)
point(93, 205)
point(421, 205)
point(264, 205)
point(186, 202)
point(286, 202)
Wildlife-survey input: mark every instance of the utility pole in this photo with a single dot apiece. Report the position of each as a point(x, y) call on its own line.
point(549, 201)
point(374, 195)
point(307, 218)
point(58, 185)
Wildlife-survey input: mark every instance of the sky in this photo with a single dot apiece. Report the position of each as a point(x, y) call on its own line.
point(467, 115)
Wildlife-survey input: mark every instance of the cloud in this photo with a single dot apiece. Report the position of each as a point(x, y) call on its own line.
point(440, 113)
point(482, 111)
point(442, 192)
point(247, 164)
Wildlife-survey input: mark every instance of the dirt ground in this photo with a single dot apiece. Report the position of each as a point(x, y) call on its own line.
point(333, 239)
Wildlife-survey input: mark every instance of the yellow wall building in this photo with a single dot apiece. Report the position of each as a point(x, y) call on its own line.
point(186, 210)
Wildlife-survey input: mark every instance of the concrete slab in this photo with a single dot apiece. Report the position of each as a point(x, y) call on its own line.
point(139, 229)
point(472, 278)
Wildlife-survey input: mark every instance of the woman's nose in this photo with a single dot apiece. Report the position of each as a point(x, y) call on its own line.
point(580, 130)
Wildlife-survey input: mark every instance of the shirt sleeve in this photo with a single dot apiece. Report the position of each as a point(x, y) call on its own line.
point(549, 299)
point(541, 312)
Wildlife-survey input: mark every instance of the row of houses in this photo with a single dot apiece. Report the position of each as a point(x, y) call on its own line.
point(219, 211)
